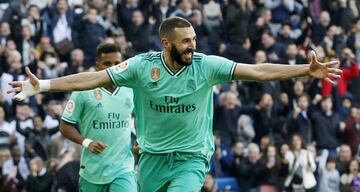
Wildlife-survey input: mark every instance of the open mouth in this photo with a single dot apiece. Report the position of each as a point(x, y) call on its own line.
point(188, 53)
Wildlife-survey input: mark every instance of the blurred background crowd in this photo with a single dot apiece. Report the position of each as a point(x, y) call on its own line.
point(295, 135)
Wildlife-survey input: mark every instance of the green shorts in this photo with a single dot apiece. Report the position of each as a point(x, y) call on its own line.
point(171, 172)
point(125, 182)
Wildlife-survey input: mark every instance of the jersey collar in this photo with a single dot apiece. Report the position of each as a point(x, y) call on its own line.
point(167, 68)
point(108, 92)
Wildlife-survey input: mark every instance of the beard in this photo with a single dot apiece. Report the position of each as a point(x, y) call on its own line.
point(176, 55)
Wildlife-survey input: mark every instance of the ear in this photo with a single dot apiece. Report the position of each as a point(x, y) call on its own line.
point(97, 64)
point(165, 42)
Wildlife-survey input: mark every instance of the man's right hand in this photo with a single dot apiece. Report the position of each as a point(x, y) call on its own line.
point(97, 147)
point(26, 88)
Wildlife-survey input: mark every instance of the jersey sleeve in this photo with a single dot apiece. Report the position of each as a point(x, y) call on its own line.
point(218, 69)
point(124, 74)
point(73, 109)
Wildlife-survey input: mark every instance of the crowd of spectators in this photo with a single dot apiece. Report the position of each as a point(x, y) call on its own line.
point(295, 135)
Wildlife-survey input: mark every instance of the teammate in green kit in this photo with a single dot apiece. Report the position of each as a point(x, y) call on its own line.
point(107, 163)
point(173, 101)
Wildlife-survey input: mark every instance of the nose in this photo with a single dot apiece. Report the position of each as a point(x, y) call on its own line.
point(192, 44)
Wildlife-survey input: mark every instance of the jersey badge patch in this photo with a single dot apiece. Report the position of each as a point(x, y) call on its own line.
point(155, 73)
point(70, 107)
point(121, 67)
point(97, 94)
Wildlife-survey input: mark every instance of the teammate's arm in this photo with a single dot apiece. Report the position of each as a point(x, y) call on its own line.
point(68, 130)
point(78, 82)
point(267, 72)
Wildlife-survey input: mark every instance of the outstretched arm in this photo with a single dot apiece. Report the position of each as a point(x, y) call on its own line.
point(268, 72)
point(80, 81)
point(76, 82)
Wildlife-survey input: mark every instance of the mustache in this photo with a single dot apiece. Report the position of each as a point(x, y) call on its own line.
point(189, 50)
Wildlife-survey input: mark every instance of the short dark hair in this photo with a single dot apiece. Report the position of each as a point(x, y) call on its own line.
point(168, 26)
point(269, 33)
point(303, 95)
point(57, 1)
point(104, 48)
point(33, 5)
point(330, 160)
point(21, 103)
point(326, 97)
point(93, 8)
point(262, 11)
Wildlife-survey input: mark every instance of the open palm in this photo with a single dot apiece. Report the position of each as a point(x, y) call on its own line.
point(327, 71)
point(25, 88)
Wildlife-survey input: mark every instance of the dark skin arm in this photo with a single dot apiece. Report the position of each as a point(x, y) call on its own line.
point(68, 130)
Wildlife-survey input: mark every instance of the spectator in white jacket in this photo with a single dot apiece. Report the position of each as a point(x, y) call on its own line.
point(301, 166)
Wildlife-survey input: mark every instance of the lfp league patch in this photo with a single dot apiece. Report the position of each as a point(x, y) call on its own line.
point(70, 107)
point(121, 67)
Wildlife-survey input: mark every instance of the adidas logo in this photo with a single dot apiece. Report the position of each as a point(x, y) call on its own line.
point(99, 105)
point(152, 85)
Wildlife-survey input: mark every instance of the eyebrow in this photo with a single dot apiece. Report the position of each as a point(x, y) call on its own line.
point(111, 62)
point(188, 38)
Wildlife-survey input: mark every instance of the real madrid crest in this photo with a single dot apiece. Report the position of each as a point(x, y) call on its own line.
point(97, 94)
point(155, 74)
